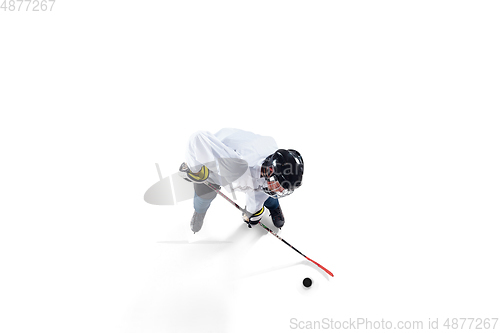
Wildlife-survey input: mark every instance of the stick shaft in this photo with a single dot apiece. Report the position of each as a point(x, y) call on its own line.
point(266, 228)
point(284, 241)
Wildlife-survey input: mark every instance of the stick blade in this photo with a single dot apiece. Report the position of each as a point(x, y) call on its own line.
point(323, 268)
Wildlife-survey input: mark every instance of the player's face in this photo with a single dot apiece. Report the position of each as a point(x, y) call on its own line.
point(275, 186)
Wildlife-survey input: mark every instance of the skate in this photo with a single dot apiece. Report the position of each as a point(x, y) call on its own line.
point(197, 221)
point(277, 217)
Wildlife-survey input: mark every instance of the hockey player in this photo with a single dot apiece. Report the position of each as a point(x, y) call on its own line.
point(245, 162)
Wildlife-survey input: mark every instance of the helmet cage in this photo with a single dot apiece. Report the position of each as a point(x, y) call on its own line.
point(274, 189)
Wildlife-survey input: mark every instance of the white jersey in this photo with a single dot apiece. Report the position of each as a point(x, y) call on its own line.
point(234, 158)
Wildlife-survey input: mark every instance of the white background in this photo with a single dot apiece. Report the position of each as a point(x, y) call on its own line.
point(393, 104)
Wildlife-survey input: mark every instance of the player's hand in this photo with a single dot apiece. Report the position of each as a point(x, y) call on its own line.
point(254, 218)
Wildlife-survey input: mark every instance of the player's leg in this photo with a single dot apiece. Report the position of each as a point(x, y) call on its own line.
point(203, 197)
point(275, 209)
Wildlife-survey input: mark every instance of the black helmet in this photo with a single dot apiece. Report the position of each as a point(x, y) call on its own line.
point(283, 171)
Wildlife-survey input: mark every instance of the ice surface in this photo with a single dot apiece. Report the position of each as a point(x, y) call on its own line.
point(393, 105)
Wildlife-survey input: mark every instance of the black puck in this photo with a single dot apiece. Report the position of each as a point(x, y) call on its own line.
point(307, 282)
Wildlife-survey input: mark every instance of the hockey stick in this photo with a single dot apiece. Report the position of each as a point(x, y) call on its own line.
point(266, 228)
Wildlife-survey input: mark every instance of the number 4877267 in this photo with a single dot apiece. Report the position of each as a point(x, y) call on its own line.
point(27, 5)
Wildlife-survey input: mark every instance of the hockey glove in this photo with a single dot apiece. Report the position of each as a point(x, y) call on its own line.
point(254, 218)
point(198, 177)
